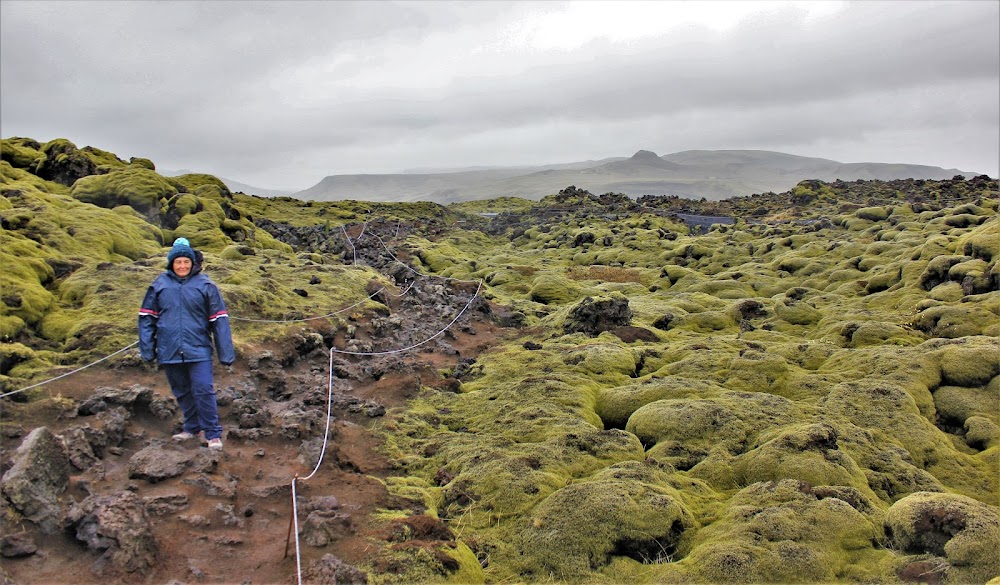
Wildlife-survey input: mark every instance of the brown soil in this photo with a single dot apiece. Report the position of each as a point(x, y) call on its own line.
point(260, 550)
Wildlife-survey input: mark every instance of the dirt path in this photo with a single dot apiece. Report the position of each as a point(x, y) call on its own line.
point(236, 523)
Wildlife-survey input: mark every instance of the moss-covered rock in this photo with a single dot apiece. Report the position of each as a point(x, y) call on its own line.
point(981, 432)
point(808, 452)
point(21, 153)
point(955, 404)
point(604, 359)
point(881, 406)
point(756, 371)
point(203, 185)
point(142, 162)
point(955, 321)
point(872, 213)
point(616, 404)
point(964, 531)
point(626, 510)
point(421, 561)
point(705, 434)
point(797, 313)
point(788, 532)
point(63, 162)
point(877, 333)
point(12, 354)
point(137, 187)
point(982, 242)
point(971, 366)
point(552, 289)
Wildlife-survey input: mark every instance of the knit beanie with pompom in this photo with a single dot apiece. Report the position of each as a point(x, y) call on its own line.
point(182, 247)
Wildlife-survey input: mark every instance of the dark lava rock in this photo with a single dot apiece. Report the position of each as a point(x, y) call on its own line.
point(330, 570)
point(154, 463)
point(38, 477)
point(593, 317)
point(117, 526)
point(19, 544)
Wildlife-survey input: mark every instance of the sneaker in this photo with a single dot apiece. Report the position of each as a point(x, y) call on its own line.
point(185, 436)
point(215, 444)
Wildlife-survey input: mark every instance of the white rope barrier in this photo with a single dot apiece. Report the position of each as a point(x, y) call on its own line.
point(6, 394)
point(319, 461)
point(326, 432)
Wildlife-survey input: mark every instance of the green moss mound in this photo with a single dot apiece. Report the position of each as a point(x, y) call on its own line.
point(423, 562)
point(203, 185)
point(552, 289)
point(21, 153)
point(971, 366)
point(685, 432)
point(137, 187)
point(788, 532)
point(961, 530)
point(626, 510)
point(617, 404)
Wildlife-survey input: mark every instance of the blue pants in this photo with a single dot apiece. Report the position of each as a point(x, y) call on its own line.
point(193, 387)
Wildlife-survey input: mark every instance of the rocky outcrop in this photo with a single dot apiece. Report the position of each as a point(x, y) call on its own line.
point(131, 398)
point(325, 522)
point(118, 527)
point(64, 163)
point(593, 317)
point(79, 448)
point(330, 570)
point(19, 544)
point(166, 504)
point(38, 478)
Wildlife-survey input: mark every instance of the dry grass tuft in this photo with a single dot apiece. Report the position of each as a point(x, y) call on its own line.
point(605, 274)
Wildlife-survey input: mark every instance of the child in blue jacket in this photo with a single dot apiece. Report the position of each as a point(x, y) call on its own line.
point(180, 317)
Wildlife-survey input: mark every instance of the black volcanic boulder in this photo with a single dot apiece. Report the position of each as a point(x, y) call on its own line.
point(594, 316)
point(38, 478)
point(64, 163)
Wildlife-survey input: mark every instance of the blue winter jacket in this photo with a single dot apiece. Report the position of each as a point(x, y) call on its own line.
point(179, 318)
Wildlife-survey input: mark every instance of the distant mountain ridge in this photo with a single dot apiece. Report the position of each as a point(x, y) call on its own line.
point(712, 174)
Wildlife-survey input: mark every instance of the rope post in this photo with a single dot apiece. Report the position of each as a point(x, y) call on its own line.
point(291, 519)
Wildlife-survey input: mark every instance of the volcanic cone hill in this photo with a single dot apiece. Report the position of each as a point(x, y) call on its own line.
point(784, 387)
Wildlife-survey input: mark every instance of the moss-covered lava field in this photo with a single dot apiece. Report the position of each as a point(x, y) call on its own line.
point(806, 392)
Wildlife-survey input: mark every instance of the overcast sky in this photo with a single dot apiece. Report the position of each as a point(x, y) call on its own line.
point(282, 94)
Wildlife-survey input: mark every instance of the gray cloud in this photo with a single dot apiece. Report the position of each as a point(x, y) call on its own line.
point(284, 93)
